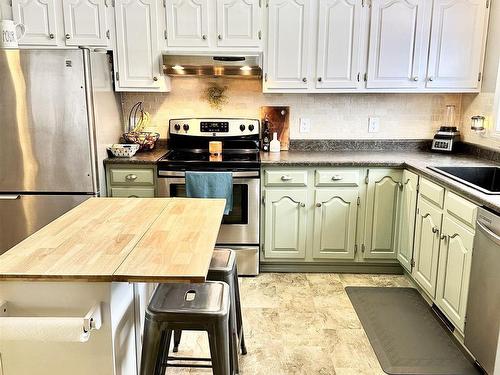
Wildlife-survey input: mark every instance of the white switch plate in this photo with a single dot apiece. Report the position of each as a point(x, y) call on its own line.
point(305, 125)
point(373, 125)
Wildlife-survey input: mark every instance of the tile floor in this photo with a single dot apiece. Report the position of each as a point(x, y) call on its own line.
point(297, 323)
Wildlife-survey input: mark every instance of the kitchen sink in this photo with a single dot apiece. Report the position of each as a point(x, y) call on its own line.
point(484, 179)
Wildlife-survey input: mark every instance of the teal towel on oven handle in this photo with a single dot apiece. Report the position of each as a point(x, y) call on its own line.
point(211, 185)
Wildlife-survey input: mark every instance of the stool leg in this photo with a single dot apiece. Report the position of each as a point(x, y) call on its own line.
point(177, 340)
point(233, 338)
point(218, 337)
point(239, 316)
point(151, 348)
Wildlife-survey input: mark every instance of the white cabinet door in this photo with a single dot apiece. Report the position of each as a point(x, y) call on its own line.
point(85, 22)
point(407, 219)
point(39, 18)
point(457, 39)
point(382, 213)
point(399, 35)
point(187, 23)
point(288, 52)
point(455, 258)
point(285, 216)
point(335, 216)
point(426, 249)
point(238, 23)
point(339, 57)
point(137, 43)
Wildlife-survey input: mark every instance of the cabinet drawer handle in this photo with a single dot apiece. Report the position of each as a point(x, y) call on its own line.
point(435, 230)
point(336, 177)
point(133, 196)
point(51, 36)
point(318, 204)
point(302, 204)
point(131, 177)
point(286, 178)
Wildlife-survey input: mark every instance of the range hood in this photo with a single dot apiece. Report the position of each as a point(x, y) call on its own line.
point(220, 65)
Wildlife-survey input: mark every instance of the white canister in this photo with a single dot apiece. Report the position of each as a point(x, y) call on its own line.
point(10, 33)
point(275, 145)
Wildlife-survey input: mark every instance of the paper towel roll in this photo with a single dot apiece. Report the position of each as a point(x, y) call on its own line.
point(43, 329)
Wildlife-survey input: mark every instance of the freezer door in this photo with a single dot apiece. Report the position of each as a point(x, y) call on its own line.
point(22, 215)
point(44, 122)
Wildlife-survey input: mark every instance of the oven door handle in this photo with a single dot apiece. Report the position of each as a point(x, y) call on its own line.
point(183, 174)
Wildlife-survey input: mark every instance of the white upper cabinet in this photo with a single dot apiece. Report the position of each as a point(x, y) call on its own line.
point(85, 22)
point(137, 44)
point(238, 23)
point(187, 23)
point(399, 34)
point(340, 47)
point(39, 18)
point(287, 59)
point(457, 41)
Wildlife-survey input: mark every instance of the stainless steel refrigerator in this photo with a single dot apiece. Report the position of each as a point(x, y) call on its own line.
point(57, 109)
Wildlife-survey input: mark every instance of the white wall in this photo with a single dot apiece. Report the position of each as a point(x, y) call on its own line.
point(333, 116)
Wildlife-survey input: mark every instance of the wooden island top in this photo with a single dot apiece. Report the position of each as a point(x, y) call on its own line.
point(121, 239)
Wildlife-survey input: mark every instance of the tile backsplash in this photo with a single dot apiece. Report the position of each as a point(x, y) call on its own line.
point(333, 116)
point(479, 104)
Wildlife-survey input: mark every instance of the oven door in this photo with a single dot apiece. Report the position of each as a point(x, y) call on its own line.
point(241, 225)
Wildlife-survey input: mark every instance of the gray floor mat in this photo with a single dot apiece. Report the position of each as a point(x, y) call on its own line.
point(405, 333)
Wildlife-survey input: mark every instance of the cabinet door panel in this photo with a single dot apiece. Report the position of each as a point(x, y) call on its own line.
point(458, 28)
point(454, 271)
point(398, 43)
point(137, 43)
point(426, 252)
point(285, 223)
point(407, 219)
point(85, 22)
point(187, 23)
point(335, 223)
point(339, 44)
point(287, 46)
point(39, 18)
point(238, 23)
point(382, 206)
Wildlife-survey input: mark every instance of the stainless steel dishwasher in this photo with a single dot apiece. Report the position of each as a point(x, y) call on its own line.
point(482, 327)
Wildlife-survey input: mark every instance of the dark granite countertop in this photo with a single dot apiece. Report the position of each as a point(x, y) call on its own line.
point(147, 157)
point(412, 160)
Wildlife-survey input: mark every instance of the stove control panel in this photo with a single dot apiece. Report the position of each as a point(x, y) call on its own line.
point(212, 127)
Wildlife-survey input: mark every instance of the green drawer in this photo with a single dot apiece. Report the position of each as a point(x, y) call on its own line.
point(134, 192)
point(132, 176)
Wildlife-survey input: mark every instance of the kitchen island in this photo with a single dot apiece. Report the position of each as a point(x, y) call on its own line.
point(97, 263)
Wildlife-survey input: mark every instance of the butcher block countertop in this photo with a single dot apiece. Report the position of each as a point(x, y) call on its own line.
point(121, 239)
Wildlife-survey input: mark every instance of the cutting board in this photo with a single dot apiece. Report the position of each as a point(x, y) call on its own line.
point(279, 122)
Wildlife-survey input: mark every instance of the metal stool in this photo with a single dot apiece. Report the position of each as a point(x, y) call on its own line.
point(223, 268)
point(194, 307)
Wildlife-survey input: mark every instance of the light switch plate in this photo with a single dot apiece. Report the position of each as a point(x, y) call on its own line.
point(373, 125)
point(305, 125)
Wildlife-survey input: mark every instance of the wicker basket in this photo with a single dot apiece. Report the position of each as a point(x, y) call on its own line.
point(145, 140)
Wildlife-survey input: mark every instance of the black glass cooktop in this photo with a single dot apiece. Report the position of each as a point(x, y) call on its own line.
point(201, 159)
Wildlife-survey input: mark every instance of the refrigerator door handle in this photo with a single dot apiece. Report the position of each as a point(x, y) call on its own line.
point(10, 197)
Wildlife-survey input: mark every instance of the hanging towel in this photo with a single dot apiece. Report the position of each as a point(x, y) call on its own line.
point(211, 185)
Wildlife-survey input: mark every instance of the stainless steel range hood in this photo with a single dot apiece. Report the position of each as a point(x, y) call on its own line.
point(220, 65)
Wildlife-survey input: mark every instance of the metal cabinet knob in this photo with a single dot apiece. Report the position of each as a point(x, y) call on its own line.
point(285, 178)
point(131, 177)
point(415, 79)
point(204, 37)
point(68, 36)
point(318, 204)
point(431, 79)
point(51, 36)
point(336, 177)
point(219, 37)
point(155, 79)
point(302, 204)
point(435, 229)
point(320, 79)
point(304, 79)
point(443, 237)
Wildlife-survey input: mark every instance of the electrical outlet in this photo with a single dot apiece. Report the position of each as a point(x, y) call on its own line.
point(305, 125)
point(373, 125)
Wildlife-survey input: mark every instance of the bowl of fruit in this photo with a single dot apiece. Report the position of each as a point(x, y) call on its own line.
point(139, 121)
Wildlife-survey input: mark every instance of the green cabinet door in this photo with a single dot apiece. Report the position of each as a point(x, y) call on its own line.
point(335, 212)
point(285, 215)
point(426, 250)
point(407, 219)
point(454, 271)
point(382, 213)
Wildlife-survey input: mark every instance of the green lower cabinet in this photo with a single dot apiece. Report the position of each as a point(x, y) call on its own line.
point(407, 219)
point(335, 214)
point(426, 248)
point(285, 218)
point(382, 213)
point(454, 271)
